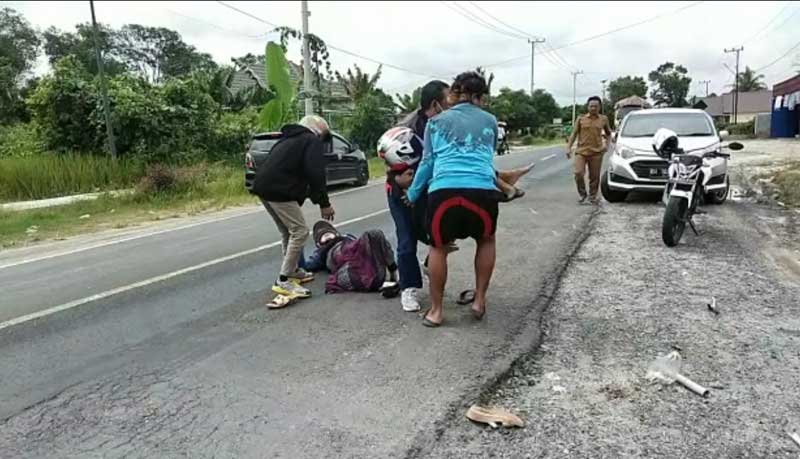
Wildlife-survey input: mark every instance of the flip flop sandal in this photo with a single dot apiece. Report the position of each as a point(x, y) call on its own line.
point(281, 301)
point(390, 289)
point(495, 417)
point(517, 194)
point(427, 322)
point(478, 315)
point(466, 297)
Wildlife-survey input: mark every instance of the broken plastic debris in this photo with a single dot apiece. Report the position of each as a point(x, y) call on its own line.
point(559, 389)
point(552, 376)
point(534, 212)
point(495, 417)
point(667, 370)
point(795, 438)
point(84, 217)
point(713, 306)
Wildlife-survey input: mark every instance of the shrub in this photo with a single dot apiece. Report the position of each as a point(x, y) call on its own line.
point(528, 140)
point(747, 128)
point(164, 179)
point(21, 140)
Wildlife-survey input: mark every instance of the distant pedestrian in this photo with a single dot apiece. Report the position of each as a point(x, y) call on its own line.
point(589, 131)
point(293, 171)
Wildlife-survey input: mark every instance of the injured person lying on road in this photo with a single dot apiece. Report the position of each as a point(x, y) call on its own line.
point(355, 264)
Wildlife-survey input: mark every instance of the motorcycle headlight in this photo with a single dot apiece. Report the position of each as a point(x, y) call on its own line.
point(626, 153)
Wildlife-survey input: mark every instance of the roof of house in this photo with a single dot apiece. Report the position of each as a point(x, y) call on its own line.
point(248, 75)
point(786, 86)
point(749, 102)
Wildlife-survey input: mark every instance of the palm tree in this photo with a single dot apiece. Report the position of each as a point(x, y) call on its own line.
point(359, 84)
point(750, 81)
point(408, 103)
point(489, 80)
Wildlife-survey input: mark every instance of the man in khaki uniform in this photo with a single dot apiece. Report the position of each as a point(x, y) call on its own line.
point(589, 130)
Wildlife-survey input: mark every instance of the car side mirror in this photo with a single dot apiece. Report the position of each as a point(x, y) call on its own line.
point(724, 134)
point(354, 147)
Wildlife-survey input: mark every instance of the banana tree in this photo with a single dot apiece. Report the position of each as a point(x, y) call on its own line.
point(279, 110)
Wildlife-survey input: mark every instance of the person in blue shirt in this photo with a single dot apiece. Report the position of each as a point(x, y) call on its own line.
point(458, 173)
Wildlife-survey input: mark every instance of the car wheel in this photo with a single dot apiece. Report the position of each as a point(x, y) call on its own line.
point(719, 196)
point(610, 194)
point(363, 175)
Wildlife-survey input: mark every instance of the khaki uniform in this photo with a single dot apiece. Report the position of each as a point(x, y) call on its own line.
point(591, 146)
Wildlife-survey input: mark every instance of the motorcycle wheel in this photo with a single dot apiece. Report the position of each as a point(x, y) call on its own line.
point(674, 222)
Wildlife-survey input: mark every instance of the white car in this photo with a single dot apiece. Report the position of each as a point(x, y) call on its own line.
point(634, 165)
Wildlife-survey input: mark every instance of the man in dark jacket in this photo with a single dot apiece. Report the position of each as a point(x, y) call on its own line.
point(294, 170)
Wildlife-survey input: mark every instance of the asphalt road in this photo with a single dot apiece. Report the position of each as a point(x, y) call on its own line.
point(163, 347)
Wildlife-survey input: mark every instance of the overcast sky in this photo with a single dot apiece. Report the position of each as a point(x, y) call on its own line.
point(431, 38)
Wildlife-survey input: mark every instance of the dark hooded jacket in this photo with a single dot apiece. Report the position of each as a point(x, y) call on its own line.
point(294, 169)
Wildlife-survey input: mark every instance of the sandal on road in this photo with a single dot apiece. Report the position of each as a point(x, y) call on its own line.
point(281, 301)
point(466, 297)
point(427, 322)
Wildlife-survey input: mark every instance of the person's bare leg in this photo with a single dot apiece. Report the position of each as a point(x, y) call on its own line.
point(512, 177)
point(437, 273)
point(507, 189)
point(484, 267)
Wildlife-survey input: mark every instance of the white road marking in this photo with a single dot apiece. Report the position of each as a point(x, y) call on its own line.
point(156, 279)
point(548, 157)
point(154, 233)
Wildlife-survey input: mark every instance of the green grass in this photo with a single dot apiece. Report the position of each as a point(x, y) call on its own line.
point(47, 176)
point(218, 187)
point(377, 168)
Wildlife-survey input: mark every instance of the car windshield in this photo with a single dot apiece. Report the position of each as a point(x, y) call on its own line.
point(684, 124)
point(262, 145)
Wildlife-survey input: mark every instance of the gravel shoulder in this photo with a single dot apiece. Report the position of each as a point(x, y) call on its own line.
point(625, 299)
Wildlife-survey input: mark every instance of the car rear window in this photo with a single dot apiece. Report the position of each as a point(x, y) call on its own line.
point(262, 145)
point(684, 124)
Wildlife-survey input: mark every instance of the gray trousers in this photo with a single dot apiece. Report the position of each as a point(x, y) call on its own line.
point(289, 219)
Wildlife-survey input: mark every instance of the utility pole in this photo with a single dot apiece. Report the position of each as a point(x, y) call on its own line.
point(574, 88)
point(603, 82)
point(533, 53)
point(706, 82)
point(112, 146)
point(306, 61)
point(736, 82)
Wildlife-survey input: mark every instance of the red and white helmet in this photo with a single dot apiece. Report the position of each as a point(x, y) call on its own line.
point(396, 149)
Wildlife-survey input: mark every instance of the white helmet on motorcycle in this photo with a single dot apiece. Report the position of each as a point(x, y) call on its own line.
point(396, 149)
point(665, 143)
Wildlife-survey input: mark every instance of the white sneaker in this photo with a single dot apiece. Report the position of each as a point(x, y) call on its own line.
point(409, 300)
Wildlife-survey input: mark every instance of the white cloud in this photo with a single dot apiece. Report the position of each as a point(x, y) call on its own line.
point(431, 39)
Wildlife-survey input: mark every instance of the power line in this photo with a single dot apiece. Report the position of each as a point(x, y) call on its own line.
point(458, 9)
point(509, 26)
point(609, 32)
point(211, 24)
point(768, 23)
point(330, 46)
point(796, 45)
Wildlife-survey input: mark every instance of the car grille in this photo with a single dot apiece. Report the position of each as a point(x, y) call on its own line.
point(642, 169)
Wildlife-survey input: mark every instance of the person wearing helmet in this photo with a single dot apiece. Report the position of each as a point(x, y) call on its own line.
point(401, 148)
point(355, 264)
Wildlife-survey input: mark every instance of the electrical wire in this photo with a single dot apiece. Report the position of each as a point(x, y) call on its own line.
point(768, 23)
point(330, 46)
point(458, 9)
point(796, 45)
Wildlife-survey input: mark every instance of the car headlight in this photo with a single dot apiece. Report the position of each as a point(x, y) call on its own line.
point(626, 153)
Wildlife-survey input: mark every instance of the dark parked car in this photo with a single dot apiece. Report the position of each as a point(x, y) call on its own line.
point(346, 163)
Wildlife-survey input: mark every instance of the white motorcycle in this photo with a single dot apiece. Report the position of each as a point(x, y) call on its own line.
point(689, 173)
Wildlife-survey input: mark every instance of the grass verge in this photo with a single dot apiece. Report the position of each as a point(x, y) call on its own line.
point(216, 188)
point(788, 184)
point(47, 176)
